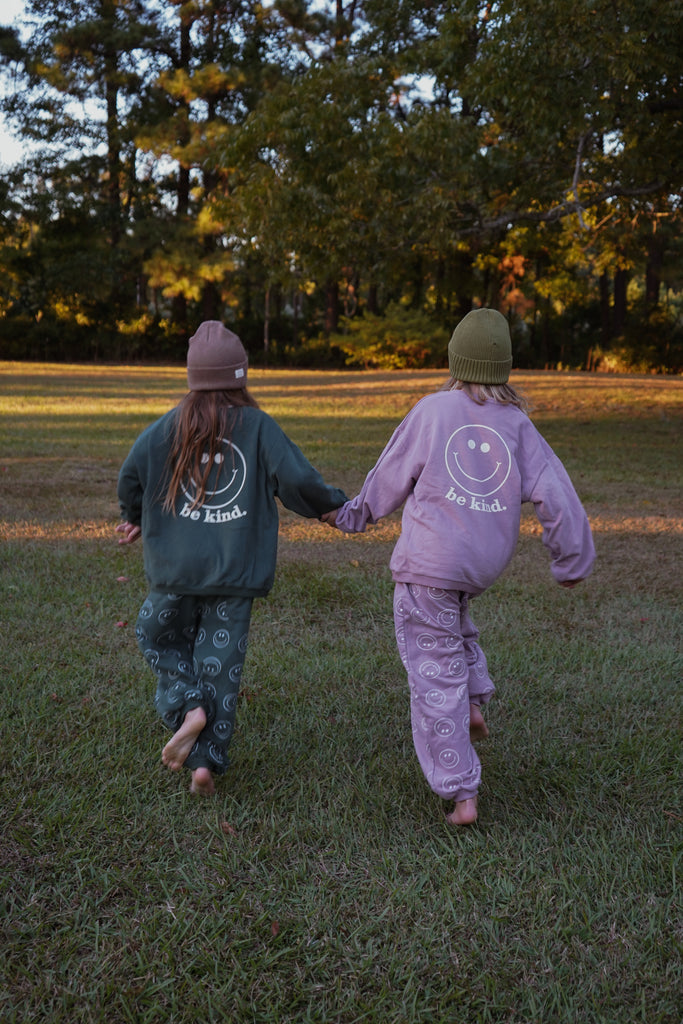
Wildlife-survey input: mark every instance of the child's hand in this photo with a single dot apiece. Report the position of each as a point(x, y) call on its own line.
point(130, 532)
point(330, 517)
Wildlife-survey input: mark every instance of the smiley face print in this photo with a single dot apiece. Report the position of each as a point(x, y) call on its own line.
point(477, 459)
point(227, 480)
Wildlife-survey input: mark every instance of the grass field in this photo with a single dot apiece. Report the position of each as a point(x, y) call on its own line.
point(322, 885)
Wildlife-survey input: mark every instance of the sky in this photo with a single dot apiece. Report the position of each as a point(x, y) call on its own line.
point(10, 148)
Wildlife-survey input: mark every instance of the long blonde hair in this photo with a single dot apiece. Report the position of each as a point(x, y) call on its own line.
point(203, 420)
point(505, 394)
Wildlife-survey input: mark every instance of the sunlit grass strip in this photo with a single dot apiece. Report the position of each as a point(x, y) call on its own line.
point(61, 387)
point(77, 530)
point(314, 533)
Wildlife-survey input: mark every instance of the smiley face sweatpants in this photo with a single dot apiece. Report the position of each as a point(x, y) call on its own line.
point(447, 671)
point(196, 647)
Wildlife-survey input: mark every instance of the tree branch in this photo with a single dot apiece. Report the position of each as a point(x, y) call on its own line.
point(556, 213)
point(575, 179)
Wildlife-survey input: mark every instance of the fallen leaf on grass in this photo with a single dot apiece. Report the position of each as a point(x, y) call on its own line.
point(229, 829)
point(122, 579)
point(275, 927)
point(121, 623)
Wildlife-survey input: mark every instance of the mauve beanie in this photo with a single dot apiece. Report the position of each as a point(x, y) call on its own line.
point(480, 350)
point(216, 359)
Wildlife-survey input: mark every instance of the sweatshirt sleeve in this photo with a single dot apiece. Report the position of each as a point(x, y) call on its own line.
point(566, 530)
point(130, 490)
point(299, 486)
point(386, 486)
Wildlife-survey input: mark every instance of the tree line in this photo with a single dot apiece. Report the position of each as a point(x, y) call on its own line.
point(341, 181)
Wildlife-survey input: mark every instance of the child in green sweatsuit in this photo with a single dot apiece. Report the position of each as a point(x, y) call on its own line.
point(199, 486)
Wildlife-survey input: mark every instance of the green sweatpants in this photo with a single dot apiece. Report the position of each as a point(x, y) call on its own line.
point(196, 647)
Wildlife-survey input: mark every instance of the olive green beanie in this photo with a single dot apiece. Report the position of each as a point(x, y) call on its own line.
point(216, 359)
point(480, 350)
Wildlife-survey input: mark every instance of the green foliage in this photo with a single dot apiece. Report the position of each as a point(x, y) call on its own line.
point(313, 353)
point(400, 339)
point(653, 346)
point(193, 158)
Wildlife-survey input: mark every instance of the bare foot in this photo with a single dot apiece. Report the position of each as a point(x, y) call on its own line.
point(464, 813)
point(202, 782)
point(479, 730)
point(179, 746)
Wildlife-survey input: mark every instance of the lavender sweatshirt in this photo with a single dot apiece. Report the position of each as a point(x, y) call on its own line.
point(463, 471)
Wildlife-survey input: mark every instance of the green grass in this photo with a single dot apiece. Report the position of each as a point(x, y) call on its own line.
point(322, 884)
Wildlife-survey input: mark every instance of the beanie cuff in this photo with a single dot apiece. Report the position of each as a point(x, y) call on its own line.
point(480, 371)
point(217, 378)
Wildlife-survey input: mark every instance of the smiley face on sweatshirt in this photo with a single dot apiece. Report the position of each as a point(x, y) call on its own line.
point(477, 459)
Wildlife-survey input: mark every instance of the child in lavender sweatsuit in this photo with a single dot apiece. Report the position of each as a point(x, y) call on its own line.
point(463, 461)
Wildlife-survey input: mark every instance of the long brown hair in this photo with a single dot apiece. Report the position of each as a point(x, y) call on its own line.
point(203, 420)
point(505, 394)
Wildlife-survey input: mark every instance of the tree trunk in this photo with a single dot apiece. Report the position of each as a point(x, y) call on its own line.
point(113, 160)
point(211, 301)
point(179, 305)
point(653, 271)
point(620, 284)
point(331, 307)
point(605, 312)
point(266, 326)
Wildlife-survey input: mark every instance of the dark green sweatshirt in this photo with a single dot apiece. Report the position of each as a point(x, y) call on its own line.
point(227, 546)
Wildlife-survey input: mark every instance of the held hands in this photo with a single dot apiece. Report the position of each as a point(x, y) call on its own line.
point(130, 532)
point(330, 517)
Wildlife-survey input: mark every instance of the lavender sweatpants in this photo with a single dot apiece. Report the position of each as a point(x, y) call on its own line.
point(447, 670)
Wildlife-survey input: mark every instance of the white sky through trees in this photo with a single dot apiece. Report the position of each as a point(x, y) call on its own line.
point(11, 148)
